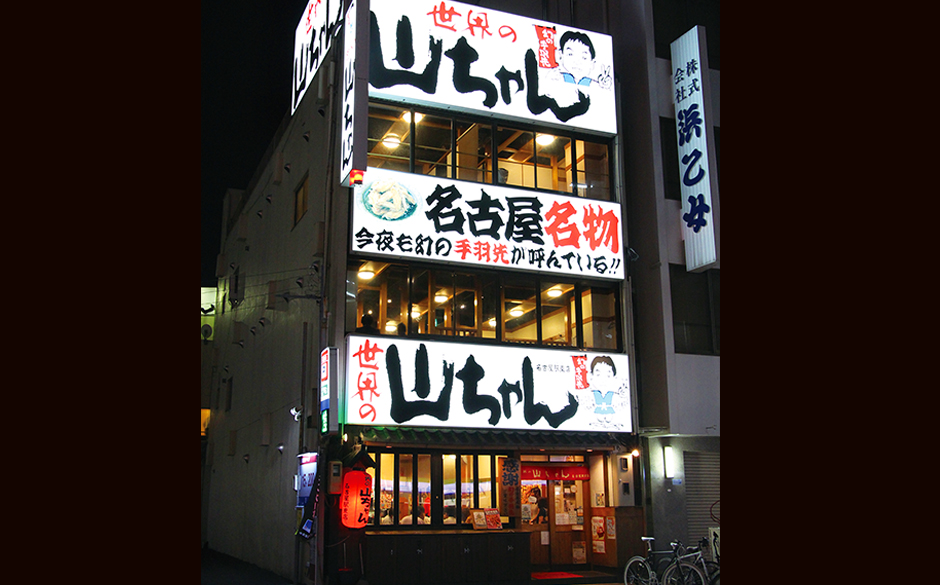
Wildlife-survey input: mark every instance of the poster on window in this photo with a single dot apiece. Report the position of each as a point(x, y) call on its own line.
point(482, 61)
point(423, 217)
point(404, 382)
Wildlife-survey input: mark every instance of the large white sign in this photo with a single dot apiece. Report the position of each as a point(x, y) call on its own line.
point(689, 65)
point(312, 40)
point(461, 57)
point(392, 381)
point(406, 215)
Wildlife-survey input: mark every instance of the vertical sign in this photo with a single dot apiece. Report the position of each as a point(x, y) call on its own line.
point(697, 173)
point(312, 39)
point(328, 422)
point(354, 118)
point(306, 474)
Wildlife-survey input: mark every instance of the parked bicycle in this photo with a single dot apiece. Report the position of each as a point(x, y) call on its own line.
point(694, 555)
point(675, 571)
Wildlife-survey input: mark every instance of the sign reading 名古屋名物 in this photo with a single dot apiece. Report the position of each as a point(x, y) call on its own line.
point(393, 381)
point(406, 215)
point(698, 179)
point(312, 40)
point(466, 58)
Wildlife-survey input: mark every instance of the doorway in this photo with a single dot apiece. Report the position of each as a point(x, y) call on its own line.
point(557, 512)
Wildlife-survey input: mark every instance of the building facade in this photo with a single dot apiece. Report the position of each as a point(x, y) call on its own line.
point(487, 324)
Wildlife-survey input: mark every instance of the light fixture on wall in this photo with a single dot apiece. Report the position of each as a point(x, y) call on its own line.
point(245, 457)
point(295, 412)
point(280, 448)
point(669, 462)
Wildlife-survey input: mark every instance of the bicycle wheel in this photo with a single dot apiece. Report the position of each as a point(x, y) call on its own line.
point(637, 572)
point(714, 572)
point(683, 574)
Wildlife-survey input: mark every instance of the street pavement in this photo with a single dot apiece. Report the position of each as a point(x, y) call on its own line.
point(222, 569)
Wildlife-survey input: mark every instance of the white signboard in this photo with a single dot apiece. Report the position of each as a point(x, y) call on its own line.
point(312, 40)
point(405, 215)
point(306, 475)
point(472, 59)
point(394, 381)
point(697, 175)
point(354, 119)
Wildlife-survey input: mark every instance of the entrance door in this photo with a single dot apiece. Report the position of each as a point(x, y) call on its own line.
point(557, 513)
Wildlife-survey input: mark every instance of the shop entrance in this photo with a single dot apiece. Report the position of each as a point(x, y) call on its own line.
point(557, 511)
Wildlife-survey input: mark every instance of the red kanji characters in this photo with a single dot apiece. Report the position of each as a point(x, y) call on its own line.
point(601, 228)
point(481, 22)
point(562, 232)
point(443, 16)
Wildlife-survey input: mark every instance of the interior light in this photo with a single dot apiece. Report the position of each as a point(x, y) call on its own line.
point(366, 274)
point(440, 298)
point(407, 117)
point(544, 139)
point(635, 453)
point(554, 293)
point(670, 461)
point(492, 322)
point(391, 327)
point(416, 314)
point(391, 141)
point(516, 311)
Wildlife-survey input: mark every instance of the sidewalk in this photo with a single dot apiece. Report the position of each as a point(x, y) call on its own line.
point(221, 569)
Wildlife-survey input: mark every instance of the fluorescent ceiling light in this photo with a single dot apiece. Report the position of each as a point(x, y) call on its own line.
point(544, 139)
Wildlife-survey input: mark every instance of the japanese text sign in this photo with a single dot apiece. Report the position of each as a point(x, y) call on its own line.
point(689, 65)
point(565, 472)
point(392, 381)
point(354, 119)
point(477, 60)
point(312, 39)
point(306, 475)
point(407, 215)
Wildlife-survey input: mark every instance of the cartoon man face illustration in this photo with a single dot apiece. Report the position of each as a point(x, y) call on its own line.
point(576, 58)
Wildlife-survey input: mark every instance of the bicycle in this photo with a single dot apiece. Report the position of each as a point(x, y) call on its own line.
point(639, 570)
point(693, 554)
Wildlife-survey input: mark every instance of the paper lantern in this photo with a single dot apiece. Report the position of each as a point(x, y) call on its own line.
point(356, 498)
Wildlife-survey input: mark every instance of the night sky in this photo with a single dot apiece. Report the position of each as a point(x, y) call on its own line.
point(246, 54)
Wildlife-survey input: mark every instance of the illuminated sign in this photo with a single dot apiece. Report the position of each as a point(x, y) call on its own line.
point(482, 61)
point(306, 476)
point(392, 381)
point(312, 39)
point(327, 390)
point(356, 498)
point(354, 117)
point(566, 472)
point(698, 175)
point(405, 215)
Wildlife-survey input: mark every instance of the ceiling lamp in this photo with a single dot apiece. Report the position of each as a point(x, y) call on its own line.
point(391, 141)
point(516, 311)
point(366, 274)
point(391, 327)
point(440, 297)
point(544, 139)
point(554, 293)
point(416, 314)
point(407, 117)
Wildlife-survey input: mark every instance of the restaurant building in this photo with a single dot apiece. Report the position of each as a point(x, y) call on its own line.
point(424, 344)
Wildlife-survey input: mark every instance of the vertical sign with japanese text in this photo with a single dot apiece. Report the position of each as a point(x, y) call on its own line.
point(312, 39)
point(353, 119)
point(328, 422)
point(696, 171)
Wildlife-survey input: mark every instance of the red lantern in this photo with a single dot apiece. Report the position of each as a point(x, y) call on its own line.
point(356, 498)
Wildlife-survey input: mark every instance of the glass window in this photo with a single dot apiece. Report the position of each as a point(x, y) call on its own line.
point(451, 508)
point(467, 487)
point(474, 143)
point(518, 315)
point(485, 481)
point(534, 501)
point(387, 513)
point(433, 154)
point(599, 318)
point(553, 162)
point(557, 314)
point(515, 149)
point(300, 200)
point(593, 170)
point(405, 488)
point(389, 138)
point(424, 489)
point(420, 302)
point(696, 301)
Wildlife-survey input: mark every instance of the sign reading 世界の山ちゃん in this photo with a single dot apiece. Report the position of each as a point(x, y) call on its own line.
point(466, 58)
point(401, 382)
